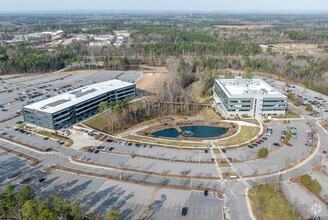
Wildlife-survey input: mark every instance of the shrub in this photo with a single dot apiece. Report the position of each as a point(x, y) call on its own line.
point(312, 185)
point(263, 152)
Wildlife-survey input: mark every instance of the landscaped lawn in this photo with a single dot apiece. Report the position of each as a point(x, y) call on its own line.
point(222, 162)
point(289, 114)
point(58, 137)
point(246, 133)
point(164, 142)
point(212, 115)
point(268, 204)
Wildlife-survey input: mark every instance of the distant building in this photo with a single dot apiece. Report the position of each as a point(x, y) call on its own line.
point(66, 109)
point(248, 97)
point(103, 37)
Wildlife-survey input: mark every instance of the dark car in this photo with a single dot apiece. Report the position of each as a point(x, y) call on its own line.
point(97, 151)
point(206, 151)
point(48, 149)
point(276, 144)
point(41, 180)
point(324, 152)
point(46, 138)
point(206, 192)
point(255, 145)
point(133, 156)
point(251, 146)
point(184, 211)
point(224, 150)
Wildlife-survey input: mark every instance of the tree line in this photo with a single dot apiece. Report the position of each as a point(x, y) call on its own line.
point(25, 204)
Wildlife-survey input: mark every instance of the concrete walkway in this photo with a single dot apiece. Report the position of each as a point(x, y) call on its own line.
point(79, 141)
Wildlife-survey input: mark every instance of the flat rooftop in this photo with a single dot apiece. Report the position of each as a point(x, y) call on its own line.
point(248, 88)
point(71, 98)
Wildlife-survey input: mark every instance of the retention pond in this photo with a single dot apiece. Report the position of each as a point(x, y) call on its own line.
point(192, 131)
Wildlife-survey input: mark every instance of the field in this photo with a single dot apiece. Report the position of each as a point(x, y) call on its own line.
point(268, 204)
point(152, 78)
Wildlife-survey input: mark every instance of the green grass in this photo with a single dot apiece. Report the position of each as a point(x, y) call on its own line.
point(227, 175)
point(289, 114)
point(58, 137)
point(164, 142)
point(268, 204)
point(222, 162)
point(246, 133)
point(216, 151)
point(212, 115)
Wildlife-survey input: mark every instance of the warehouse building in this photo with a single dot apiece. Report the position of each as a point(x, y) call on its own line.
point(66, 109)
point(248, 97)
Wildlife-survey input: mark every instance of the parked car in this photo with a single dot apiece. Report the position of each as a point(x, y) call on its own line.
point(250, 146)
point(206, 192)
point(48, 149)
point(184, 211)
point(289, 144)
point(284, 131)
point(42, 180)
point(276, 144)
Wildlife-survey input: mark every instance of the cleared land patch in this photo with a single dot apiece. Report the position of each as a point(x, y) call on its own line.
point(244, 26)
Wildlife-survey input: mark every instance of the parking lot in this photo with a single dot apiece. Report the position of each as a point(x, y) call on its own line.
point(284, 156)
point(153, 165)
point(22, 90)
point(160, 152)
point(135, 200)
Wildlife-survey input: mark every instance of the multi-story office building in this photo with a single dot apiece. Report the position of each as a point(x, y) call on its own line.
point(66, 109)
point(248, 97)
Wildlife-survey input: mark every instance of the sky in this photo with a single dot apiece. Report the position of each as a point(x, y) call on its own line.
point(203, 5)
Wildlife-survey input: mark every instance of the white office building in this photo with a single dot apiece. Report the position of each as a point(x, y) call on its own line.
point(248, 97)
